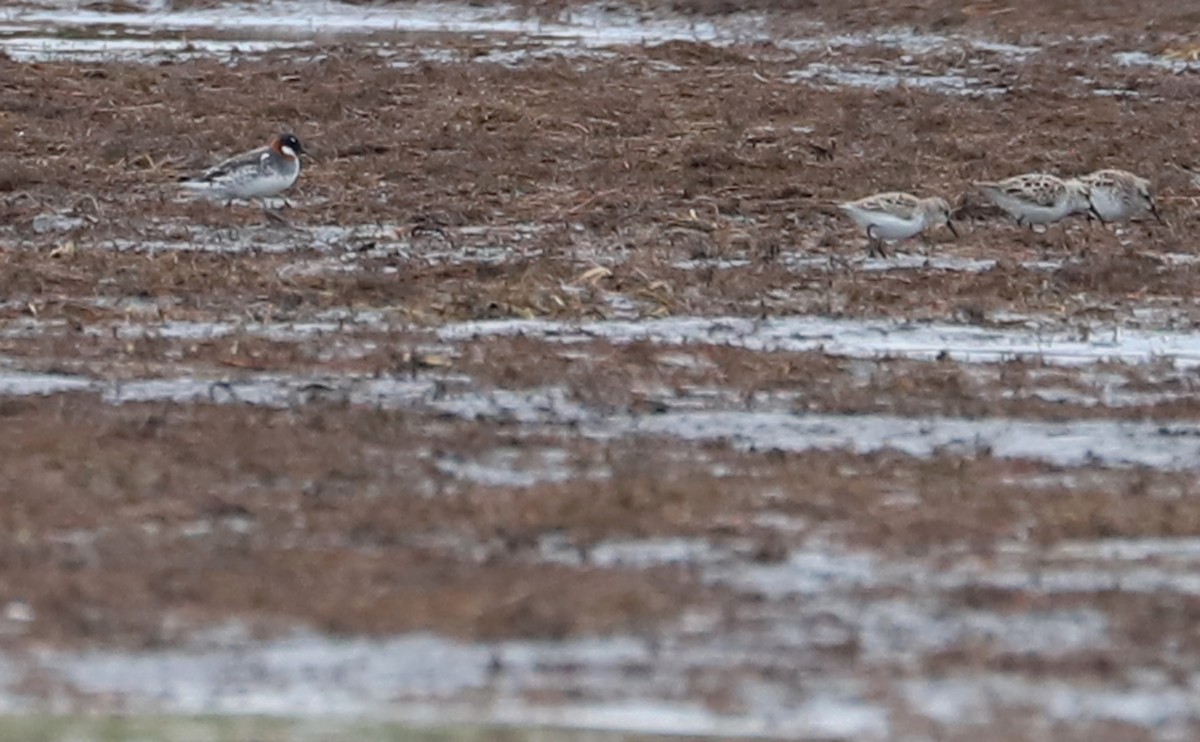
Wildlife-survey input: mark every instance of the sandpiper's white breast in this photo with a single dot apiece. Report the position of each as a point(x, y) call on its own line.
point(1109, 204)
point(885, 225)
point(1028, 211)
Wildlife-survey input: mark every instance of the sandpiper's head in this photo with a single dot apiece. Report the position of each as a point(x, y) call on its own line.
point(287, 145)
point(1079, 196)
point(1145, 197)
point(937, 212)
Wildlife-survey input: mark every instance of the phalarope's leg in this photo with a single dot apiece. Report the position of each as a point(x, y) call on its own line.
point(275, 216)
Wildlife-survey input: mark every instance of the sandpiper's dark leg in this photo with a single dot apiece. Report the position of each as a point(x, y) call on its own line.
point(875, 245)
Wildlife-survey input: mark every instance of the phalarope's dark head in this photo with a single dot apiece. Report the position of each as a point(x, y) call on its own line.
point(287, 145)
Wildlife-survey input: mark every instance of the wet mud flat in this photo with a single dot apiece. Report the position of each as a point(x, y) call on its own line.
point(566, 398)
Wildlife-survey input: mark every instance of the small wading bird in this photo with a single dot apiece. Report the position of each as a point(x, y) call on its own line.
point(891, 217)
point(258, 174)
point(1117, 195)
point(1038, 198)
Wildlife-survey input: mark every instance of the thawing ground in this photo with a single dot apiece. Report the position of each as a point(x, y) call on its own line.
point(563, 398)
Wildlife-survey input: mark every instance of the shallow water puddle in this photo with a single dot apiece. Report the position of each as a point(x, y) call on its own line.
point(50, 49)
point(601, 25)
point(1119, 443)
point(516, 467)
point(65, 31)
point(323, 249)
point(801, 260)
point(1167, 713)
point(867, 338)
point(1075, 443)
point(810, 610)
point(907, 41)
point(175, 236)
point(297, 728)
point(1174, 550)
point(274, 391)
point(418, 677)
point(834, 77)
point(1144, 59)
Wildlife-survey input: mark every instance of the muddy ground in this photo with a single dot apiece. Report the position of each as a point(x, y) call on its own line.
point(209, 418)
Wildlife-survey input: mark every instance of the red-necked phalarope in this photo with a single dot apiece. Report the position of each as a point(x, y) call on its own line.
point(257, 174)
